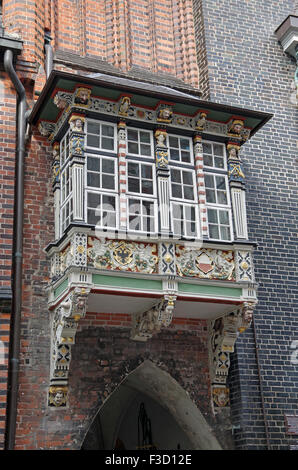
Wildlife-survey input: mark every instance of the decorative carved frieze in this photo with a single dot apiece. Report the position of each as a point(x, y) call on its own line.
point(205, 263)
point(122, 255)
point(244, 266)
point(167, 263)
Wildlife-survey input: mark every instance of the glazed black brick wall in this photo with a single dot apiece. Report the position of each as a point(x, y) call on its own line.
point(247, 67)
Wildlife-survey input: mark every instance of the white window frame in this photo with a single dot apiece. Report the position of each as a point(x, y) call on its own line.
point(222, 175)
point(102, 191)
point(106, 157)
point(220, 207)
point(154, 218)
point(65, 143)
point(68, 199)
point(189, 170)
point(101, 123)
point(141, 194)
point(152, 155)
point(191, 152)
point(212, 143)
point(197, 219)
point(101, 194)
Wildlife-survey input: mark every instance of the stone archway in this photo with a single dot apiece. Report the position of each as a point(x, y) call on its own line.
point(158, 388)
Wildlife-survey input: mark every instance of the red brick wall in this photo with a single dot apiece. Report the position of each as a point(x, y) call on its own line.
point(101, 358)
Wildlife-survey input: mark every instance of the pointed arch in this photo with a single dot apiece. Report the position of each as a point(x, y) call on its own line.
point(161, 387)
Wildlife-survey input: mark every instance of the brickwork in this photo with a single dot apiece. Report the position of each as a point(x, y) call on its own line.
point(247, 67)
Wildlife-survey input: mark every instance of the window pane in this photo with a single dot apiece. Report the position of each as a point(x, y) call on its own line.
point(144, 137)
point(92, 127)
point(132, 135)
point(107, 143)
point(92, 141)
point(133, 148)
point(176, 191)
point(207, 148)
point(133, 169)
point(93, 200)
point(225, 233)
point(190, 213)
point(148, 224)
point(134, 206)
point(107, 131)
point(208, 160)
point(185, 157)
point(93, 179)
point(178, 227)
point(177, 211)
point(222, 197)
point(147, 187)
point(187, 177)
point(176, 176)
point(93, 164)
point(213, 231)
point(108, 182)
point(184, 143)
point(145, 150)
point(173, 142)
point(188, 193)
point(220, 182)
point(218, 149)
point(109, 202)
point(91, 217)
point(224, 217)
point(209, 181)
point(218, 162)
point(148, 208)
point(134, 222)
point(212, 216)
point(210, 196)
point(174, 154)
point(133, 185)
point(190, 229)
point(146, 171)
point(108, 166)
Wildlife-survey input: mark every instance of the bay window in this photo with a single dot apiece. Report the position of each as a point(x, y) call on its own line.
point(134, 185)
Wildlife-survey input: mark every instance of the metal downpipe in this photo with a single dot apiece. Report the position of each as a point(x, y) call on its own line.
point(13, 369)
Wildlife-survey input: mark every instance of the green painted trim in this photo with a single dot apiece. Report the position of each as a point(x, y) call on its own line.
point(210, 290)
point(118, 281)
point(61, 288)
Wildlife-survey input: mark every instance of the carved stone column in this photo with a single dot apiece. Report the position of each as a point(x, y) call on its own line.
point(76, 142)
point(198, 155)
point(64, 326)
point(236, 178)
point(122, 150)
point(163, 173)
point(56, 187)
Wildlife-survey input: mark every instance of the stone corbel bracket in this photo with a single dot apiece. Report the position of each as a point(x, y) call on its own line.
point(223, 334)
point(149, 323)
point(64, 326)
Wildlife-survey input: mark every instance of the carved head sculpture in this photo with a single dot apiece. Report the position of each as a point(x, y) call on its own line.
point(201, 122)
point(236, 127)
point(77, 123)
point(221, 396)
point(124, 105)
point(165, 114)
point(58, 396)
point(160, 136)
point(82, 96)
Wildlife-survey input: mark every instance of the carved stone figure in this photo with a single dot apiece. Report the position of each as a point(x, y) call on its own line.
point(82, 96)
point(124, 105)
point(201, 122)
point(165, 114)
point(160, 136)
point(77, 123)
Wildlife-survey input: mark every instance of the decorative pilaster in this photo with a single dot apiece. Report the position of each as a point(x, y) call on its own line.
point(122, 150)
point(76, 142)
point(236, 177)
point(162, 171)
point(64, 327)
point(223, 335)
point(198, 155)
point(56, 187)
